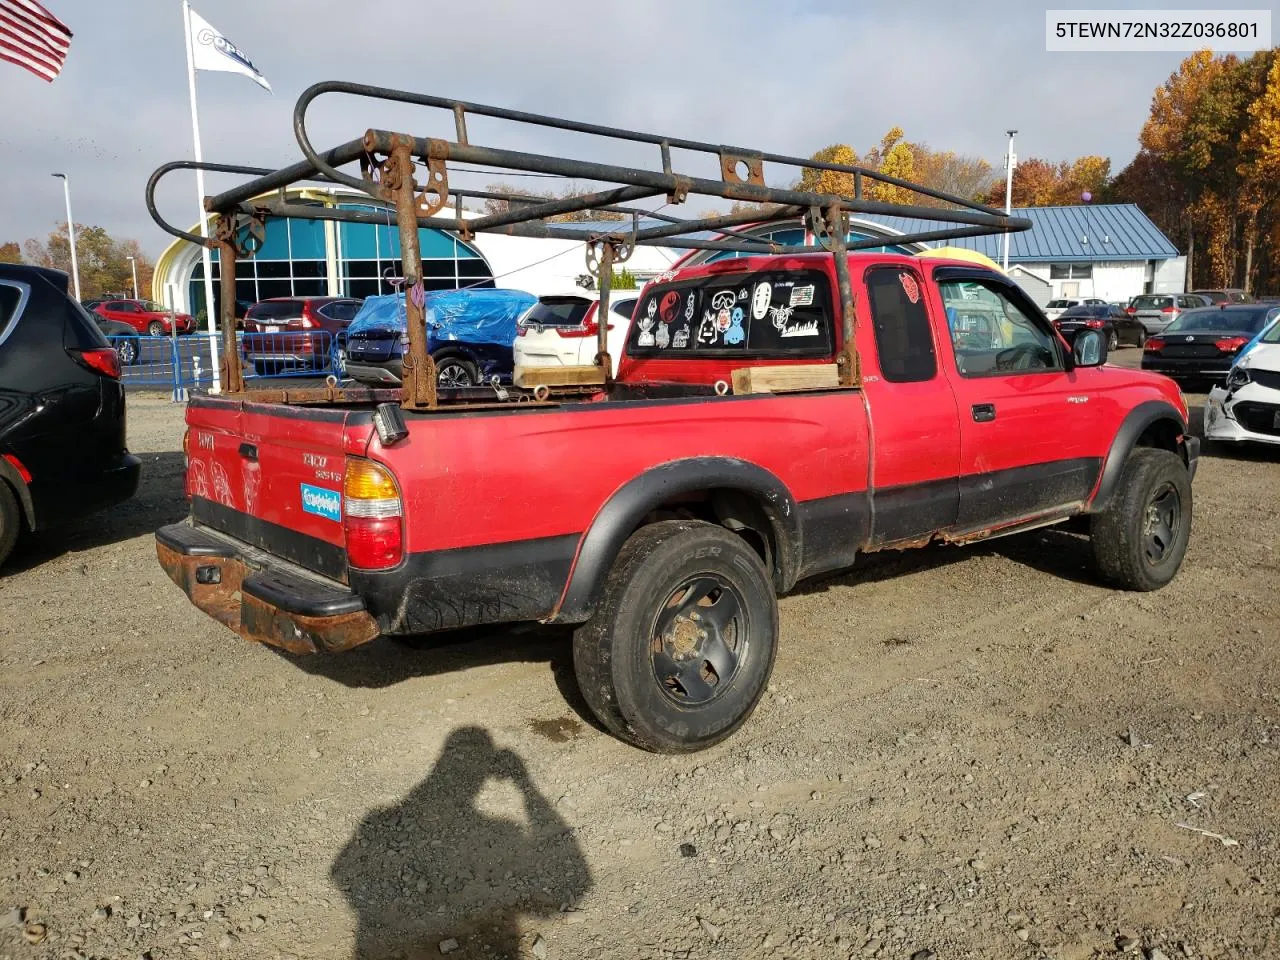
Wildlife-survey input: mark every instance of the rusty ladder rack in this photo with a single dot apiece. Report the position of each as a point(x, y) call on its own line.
point(386, 172)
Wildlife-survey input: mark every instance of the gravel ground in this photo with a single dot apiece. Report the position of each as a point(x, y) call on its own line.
point(964, 753)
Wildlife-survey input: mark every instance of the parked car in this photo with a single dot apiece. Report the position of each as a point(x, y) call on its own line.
point(663, 518)
point(122, 338)
point(299, 333)
point(62, 430)
point(469, 335)
point(1217, 298)
point(1247, 407)
point(563, 330)
point(145, 316)
point(1202, 344)
point(1116, 325)
point(1156, 311)
point(1055, 308)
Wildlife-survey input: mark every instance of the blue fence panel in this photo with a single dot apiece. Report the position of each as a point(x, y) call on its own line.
point(186, 362)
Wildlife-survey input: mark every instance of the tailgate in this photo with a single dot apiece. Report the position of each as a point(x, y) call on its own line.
point(271, 476)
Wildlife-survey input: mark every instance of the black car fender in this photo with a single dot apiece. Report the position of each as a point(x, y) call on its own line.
point(626, 509)
point(1144, 419)
point(9, 474)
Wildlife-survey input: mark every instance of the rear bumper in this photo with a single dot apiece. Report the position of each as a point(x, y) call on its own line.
point(1193, 368)
point(65, 497)
point(385, 371)
point(261, 598)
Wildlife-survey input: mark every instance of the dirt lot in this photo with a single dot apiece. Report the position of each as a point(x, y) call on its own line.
point(965, 753)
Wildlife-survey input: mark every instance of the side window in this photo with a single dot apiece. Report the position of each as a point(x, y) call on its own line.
point(900, 320)
point(990, 333)
point(122, 306)
point(10, 297)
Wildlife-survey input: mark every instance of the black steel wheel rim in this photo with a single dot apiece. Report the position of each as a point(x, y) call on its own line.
point(453, 374)
point(699, 640)
point(1161, 523)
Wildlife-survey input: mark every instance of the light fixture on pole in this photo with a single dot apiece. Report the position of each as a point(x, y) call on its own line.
point(1085, 198)
point(71, 233)
point(134, 265)
point(1010, 161)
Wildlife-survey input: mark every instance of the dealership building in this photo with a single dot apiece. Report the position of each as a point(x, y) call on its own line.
point(1112, 252)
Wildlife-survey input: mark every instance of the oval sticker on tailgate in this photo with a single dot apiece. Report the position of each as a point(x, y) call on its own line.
point(322, 502)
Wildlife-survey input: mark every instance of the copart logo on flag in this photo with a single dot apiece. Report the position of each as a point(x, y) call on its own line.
point(211, 38)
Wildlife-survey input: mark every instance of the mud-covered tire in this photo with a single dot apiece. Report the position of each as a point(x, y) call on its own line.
point(10, 521)
point(1140, 538)
point(712, 678)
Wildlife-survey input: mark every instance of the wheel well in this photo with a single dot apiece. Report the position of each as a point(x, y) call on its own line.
point(1163, 434)
point(24, 521)
point(735, 510)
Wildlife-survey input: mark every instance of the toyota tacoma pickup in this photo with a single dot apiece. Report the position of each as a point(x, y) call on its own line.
point(664, 513)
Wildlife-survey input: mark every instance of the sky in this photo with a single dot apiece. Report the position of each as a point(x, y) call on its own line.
point(788, 77)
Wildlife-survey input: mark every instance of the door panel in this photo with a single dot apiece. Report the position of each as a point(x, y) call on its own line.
point(913, 410)
point(1027, 446)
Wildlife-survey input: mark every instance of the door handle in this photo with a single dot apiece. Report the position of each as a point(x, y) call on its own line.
point(249, 451)
point(984, 412)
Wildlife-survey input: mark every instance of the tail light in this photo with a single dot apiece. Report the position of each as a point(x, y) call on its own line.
point(1153, 345)
point(588, 329)
point(521, 330)
point(371, 516)
point(1131, 311)
point(103, 360)
point(1168, 309)
point(1095, 324)
point(1231, 344)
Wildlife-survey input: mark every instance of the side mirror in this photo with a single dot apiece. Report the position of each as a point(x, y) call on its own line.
point(1089, 348)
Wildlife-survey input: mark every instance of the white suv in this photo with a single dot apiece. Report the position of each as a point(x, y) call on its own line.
point(1056, 308)
point(562, 329)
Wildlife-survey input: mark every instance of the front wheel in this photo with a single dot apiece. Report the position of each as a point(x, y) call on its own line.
point(1139, 540)
point(682, 643)
point(155, 328)
point(10, 521)
point(1113, 341)
point(456, 372)
point(127, 351)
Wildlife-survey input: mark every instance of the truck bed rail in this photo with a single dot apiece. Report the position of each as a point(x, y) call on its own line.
point(387, 163)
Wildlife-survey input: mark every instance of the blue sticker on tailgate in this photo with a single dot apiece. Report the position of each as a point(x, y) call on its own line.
point(322, 502)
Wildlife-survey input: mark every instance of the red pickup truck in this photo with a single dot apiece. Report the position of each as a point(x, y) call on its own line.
point(663, 514)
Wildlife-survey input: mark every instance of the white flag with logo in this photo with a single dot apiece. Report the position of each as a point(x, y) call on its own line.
point(212, 51)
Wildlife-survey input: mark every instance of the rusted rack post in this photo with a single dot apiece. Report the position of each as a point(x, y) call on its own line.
point(231, 376)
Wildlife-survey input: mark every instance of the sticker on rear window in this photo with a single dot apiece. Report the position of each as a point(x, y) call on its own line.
point(322, 502)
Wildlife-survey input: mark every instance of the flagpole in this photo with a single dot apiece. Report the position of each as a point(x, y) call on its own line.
point(204, 224)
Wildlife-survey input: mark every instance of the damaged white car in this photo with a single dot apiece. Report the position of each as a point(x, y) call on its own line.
point(1248, 406)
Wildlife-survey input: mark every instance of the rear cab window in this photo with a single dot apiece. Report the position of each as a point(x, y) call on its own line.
point(557, 312)
point(779, 314)
point(900, 322)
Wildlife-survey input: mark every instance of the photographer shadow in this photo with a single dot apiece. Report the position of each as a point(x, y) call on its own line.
point(435, 867)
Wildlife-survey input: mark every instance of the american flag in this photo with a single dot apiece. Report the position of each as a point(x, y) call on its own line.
point(32, 37)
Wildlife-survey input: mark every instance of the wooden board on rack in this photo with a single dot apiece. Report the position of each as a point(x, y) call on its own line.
point(780, 379)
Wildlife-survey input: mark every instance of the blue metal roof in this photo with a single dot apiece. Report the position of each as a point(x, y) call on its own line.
point(1117, 231)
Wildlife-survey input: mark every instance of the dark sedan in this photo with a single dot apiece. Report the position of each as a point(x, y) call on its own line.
point(1202, 344)
point(1117, 326)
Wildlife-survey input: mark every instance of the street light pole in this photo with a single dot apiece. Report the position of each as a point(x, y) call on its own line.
point(71, 233)
point(134, 265)
point(1010, 161)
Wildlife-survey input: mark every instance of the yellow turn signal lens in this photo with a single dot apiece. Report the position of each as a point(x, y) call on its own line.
point(366, 480)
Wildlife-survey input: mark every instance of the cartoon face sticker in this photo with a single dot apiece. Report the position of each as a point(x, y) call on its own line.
point(723, 319)
point(735, 334)
point(689, 306)
point(760, 300)
point(707, 331)
point(669, 308)
point(663, 336)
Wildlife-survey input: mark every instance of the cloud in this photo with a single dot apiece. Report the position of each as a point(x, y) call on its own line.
point(785, 77)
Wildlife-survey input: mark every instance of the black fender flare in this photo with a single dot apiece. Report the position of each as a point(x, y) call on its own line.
point(9, 474)
point(1134, 425)
point(623, 512)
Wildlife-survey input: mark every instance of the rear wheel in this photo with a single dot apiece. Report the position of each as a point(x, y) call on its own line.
point(155, 328)
point(1139, 540)
point(127, 351)
point(456, 372)
point(1113, 341)
point(10, 521)
point(681, 646)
